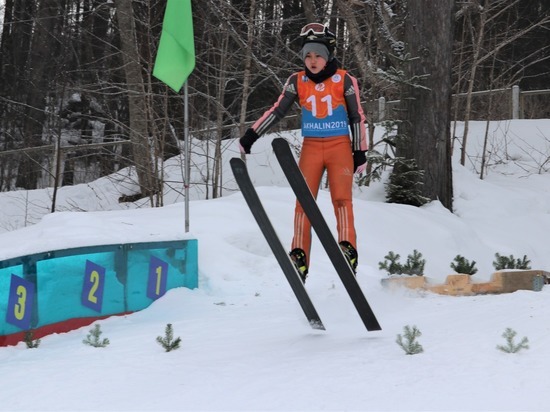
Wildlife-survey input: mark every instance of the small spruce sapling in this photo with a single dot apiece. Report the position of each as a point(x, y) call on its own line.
point(31, 344)
point(511, 347)
point(523, 263)
point(509, 262)
point(405, 183)
point(391, 264)
point(415, 264)
point(410, 345)
point(463, 265)
point(92, 338)
point(380, 160)
point(168, 342)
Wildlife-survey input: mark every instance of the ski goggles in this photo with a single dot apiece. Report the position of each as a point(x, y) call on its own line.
point(316, 29)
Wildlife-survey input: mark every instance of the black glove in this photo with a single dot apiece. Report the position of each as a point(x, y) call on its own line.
point(246, 142)
point(359, 159)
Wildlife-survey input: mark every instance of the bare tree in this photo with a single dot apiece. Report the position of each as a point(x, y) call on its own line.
point(247, 66)
point(63, 77)
point(488, 29)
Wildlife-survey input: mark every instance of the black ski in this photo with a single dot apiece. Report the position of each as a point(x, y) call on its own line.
point(311, 209)
point(251, 196)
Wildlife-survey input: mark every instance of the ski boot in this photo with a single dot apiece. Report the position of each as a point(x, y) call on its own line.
point(350, 253)
point(298, 257)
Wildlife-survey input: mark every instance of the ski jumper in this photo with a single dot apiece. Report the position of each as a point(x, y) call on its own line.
point(331, 111)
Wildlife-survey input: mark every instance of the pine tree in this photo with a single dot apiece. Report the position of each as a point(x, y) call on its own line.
point(92, 338)
point(463, 265)
point(410, 345)
point(168, 342)
point(405, 184)
point(509, 262)
point(31, 344)
point(391, 264)
point(379, 161)
point(511, 347)
point(415, 264)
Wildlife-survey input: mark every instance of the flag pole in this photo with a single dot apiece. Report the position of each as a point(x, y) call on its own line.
point(187, 152)
point(174, 63)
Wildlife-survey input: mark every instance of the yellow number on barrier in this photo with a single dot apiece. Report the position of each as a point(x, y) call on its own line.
point(159, 278)
point(19, 309)
point(94, 278)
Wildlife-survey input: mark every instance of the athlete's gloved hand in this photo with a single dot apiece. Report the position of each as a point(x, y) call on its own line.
point(359, 161)
point(246, 142)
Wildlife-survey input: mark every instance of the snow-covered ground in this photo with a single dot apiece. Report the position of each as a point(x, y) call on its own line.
point(246, 344)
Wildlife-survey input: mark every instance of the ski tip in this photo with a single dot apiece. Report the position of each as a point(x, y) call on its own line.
point(317, 324)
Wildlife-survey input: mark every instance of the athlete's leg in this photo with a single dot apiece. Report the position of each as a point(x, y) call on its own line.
point(312, 167)
point(339, 163)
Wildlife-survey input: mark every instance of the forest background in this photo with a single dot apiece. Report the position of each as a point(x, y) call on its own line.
point(72, 72)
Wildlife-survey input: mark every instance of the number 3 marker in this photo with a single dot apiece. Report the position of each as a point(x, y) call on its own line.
point(20, 302)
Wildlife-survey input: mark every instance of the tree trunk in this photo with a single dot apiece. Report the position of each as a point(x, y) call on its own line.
point(310, 11)
point(139, 136)
point(427, 114)
point(247, 67)
point(475, 58)
point(356, 39)
point(38, 75)
point(217, 167)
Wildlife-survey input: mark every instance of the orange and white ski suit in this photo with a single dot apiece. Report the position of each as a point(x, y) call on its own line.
point(331, 111)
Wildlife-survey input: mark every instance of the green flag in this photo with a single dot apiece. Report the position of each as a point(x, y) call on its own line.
point(176, 52)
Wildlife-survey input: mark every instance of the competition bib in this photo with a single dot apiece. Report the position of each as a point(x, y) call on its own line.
point(323, 107)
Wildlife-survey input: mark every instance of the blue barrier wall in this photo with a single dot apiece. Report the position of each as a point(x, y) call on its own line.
point(60, 290)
